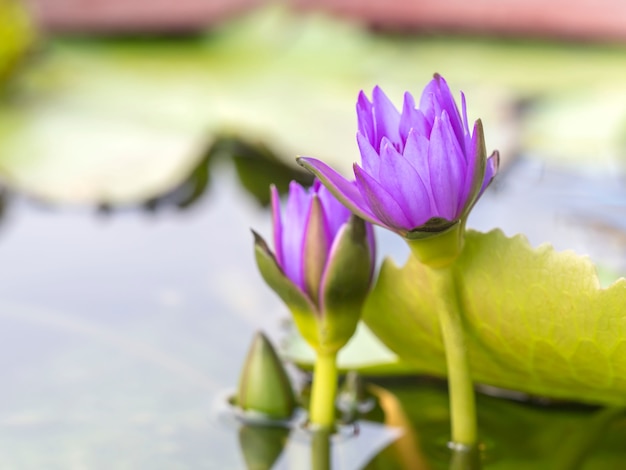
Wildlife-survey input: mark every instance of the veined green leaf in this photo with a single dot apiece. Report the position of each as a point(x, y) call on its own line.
point(536, 320)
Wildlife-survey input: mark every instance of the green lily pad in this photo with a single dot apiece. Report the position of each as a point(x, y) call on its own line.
point(536, 320)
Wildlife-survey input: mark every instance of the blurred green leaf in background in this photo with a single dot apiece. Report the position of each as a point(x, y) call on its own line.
point(119, 120)
point(16, 35)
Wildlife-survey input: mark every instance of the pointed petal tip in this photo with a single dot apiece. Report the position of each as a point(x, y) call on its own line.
point(304, 162)
point(275, 200)
point(259, 242)
point(260, 336)
point(439, 80)
point(495, 157)
point(257, 238)
point(409, 100)
point(494, 163)
point(318, 168)
point(478, 126)
point(379, 96)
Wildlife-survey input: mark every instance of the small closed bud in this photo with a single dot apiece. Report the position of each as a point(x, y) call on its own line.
point(264, 386)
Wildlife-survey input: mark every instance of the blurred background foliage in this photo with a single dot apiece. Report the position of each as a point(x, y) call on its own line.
point(122, 119)
point(16, 35)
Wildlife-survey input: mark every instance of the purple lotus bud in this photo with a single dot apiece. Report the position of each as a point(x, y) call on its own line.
point(322, 263)
point(421, 169)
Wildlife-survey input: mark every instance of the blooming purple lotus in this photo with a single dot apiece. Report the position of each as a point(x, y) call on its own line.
point(422, 170)
point(322, 264)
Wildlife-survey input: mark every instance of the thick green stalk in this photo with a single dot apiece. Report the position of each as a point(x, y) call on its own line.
point(322, 409)
point(321, 449)
point(460, 386)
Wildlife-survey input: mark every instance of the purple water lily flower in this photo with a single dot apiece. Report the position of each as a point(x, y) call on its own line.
point(322, 264)
point(305, 234)
point(422, 169)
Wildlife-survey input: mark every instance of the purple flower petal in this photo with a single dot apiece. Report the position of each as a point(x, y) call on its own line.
point(369, 157)
point(493, 162)
point(296, 212)
point(412, 119)
point(336, 213)
point(416, 153)
point(386, 117)
point(467, 136)
point(447, 165)
point(443, 97)
point(429, 108)
point(406, 118)
point(405, 186)
point(365, 118)
point(387, 210)
point(344, 190)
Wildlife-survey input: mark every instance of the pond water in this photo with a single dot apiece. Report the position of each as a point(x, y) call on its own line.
point(123, 331)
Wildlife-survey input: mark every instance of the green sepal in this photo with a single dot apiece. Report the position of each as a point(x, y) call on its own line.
point(303, 310)
point(264, 386)
point(345, 285)
point(480, 150)
point(433, 226)
point(437, 249)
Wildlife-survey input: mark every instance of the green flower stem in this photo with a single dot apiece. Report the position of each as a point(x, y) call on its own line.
point(322, 409)
point(464, 458)
point(321, 450)
point(460, 386)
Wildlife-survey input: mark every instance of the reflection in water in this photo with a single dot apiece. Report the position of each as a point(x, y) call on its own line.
point(320, 450)
point(406, 448)
point(464, 457)
point(262, 445)
point(353, 400)
point(579, 445)
point(349, 448)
